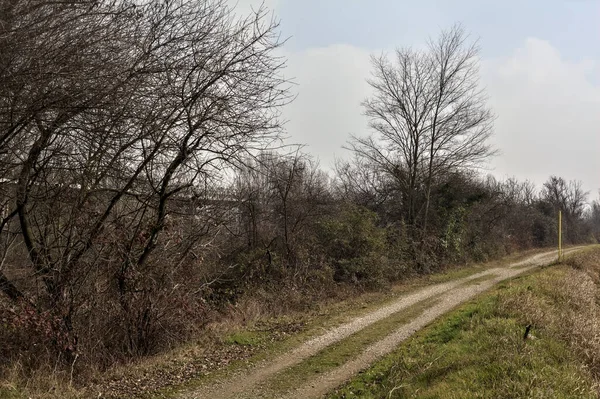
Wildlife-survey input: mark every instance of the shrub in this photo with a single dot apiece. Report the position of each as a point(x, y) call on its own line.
point(354, 245)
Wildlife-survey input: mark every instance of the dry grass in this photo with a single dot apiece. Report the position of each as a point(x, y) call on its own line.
point(44, 382)
point(565, 302)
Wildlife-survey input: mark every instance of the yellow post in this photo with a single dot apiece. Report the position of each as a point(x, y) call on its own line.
point(559, 235)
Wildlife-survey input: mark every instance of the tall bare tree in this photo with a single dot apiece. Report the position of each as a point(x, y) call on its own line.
point(459, 123)
point(429, 115)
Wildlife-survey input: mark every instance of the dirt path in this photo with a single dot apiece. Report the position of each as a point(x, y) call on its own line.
point(453, 293)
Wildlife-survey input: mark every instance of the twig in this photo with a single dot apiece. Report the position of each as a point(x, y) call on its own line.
point(72, 370)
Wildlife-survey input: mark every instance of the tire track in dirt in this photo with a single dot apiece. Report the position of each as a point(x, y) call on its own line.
point(455, 292)
point(450, 300)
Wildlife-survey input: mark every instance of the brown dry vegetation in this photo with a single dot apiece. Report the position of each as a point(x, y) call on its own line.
point(565, 302)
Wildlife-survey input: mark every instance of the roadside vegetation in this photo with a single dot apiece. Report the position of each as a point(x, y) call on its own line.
point(145, 196)
point(479, 350)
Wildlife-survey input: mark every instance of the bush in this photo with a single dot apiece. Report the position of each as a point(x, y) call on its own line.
point(355, 246)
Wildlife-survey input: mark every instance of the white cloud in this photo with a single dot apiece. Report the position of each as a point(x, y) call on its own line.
point(548, 119)
point(331, 83)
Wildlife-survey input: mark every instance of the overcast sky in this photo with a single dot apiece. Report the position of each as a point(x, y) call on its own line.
point(540, 67)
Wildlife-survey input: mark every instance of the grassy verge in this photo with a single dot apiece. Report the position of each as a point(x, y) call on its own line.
point(479, 351)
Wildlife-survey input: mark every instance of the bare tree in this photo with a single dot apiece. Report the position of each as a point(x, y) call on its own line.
point(359, 182)
point(299, 190)
point(594, 219)
point(111, 113)
point(460, 123)
point(568, 197)
point(280, 196)
point(430, 117)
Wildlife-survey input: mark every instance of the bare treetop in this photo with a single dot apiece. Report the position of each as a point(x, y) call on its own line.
point(429, 114)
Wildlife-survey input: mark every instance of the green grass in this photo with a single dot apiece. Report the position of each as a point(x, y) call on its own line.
point(246, 338)
point(10, 393)
point(477, 351)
